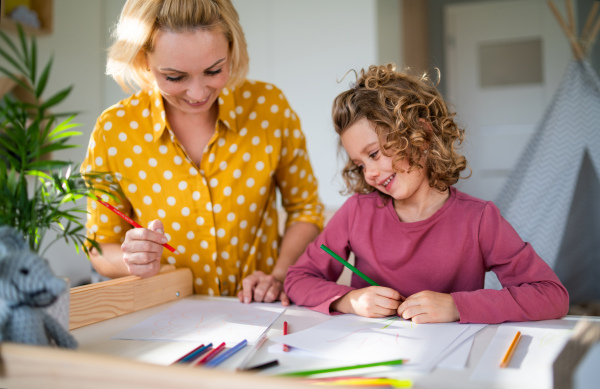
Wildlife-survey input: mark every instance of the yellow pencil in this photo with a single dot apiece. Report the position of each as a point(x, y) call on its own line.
point(511, 350)
point(387, 382)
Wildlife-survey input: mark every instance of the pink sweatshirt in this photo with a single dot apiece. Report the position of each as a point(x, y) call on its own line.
point(447, 253)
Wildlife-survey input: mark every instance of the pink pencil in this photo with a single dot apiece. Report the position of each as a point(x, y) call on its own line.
point(286, 348)
point(130, 221)
point(211, 354)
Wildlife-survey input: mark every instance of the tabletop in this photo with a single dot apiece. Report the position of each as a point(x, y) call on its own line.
point(97, 338)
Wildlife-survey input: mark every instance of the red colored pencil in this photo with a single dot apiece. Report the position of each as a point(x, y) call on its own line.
point(286, 348)
point(210, 355)
point(130, 221)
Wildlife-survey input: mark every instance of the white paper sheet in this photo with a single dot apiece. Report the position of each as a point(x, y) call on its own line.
point(531, 364)
point(207, 321)
point(457, 354)
point(356, 339)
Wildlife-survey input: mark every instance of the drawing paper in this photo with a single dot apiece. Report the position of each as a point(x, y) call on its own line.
point(357, 340)
point(531, 363)
point(207, 321)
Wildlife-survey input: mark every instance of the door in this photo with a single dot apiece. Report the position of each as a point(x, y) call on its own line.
point(504, 62)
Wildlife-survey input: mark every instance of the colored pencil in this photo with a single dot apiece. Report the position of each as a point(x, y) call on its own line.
point(193, 350)
point(286, 348)
point(214, 362)
point(248, 357)
point(364, 381)
point(263, 366)
point(306, 373)
point(511, 350)
point(213, 353)
point(130, 220)
point(349, 266)
point(195, 353)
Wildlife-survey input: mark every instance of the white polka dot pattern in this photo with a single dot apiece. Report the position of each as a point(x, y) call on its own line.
point(221, 215)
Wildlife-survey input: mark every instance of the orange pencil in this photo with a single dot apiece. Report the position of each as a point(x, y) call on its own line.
point(211, 354)
point(286, 348)
point(511, 350)
point(130, 220)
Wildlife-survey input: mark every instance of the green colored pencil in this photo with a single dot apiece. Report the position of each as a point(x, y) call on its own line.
point(306, 373)
point(349, 266)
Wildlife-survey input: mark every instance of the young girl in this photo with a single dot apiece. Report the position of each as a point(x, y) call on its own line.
point(427, 244)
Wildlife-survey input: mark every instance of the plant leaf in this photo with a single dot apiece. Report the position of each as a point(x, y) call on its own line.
point(23, 40)
point(33, 64)
point(55, 99)
point(43, 78)
point(10, 44)
point(16, 79)
point(14, 63)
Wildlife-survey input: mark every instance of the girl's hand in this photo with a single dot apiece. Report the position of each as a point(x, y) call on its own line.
point(429, 307)
point(374, 301)
point(262, 287)
point(142, 249)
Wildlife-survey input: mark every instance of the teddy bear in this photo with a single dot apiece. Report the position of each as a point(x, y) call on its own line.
point(27, 287)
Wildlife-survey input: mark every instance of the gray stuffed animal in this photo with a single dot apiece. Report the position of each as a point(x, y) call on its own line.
point(27, 287)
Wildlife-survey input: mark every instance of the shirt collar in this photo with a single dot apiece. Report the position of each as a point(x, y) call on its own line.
point(157, 112)
point(226, 116)
point(227, 112)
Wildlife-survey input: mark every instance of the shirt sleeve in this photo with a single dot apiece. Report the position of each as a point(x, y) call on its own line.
point(531, 290)
point(103, 225)
point(295, 177)
point(311, 282)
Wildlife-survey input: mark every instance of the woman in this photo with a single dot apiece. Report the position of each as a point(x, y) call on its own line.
point(198, 154)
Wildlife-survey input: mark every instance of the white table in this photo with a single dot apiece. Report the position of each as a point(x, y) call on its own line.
point(96, 338)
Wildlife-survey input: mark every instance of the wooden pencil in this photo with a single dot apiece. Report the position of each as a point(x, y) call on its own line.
point(511, 350)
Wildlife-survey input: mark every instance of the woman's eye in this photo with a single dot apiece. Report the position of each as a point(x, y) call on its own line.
point(213, 72)
point(174, 79)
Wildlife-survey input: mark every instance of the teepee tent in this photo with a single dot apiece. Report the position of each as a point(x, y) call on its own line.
point(552, 197)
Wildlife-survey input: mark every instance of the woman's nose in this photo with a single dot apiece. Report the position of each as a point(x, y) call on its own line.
point(196, 90)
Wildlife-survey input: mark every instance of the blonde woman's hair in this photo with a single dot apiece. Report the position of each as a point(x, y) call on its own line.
point(141, 20)
point(410, 118)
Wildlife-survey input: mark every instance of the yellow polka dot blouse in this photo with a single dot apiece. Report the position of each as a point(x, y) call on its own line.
point(221, 216)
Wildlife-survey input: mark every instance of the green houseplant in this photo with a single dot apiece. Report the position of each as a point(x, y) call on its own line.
point(38, 193)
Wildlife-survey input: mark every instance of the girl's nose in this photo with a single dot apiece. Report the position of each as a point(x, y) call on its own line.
point(371, 173)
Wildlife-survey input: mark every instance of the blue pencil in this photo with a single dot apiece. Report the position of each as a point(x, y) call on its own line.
point(195, 353)
point(217, 360)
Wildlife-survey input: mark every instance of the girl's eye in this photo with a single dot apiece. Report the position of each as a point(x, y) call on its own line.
point(213, 72)
point(373, 154)
point(174, 79)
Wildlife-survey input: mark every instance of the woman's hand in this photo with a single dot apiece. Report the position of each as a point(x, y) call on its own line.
point(142, 249)
point(374, 301)
point(262, 287)
point(429, 307)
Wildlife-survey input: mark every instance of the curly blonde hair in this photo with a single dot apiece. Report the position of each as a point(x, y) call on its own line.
point(141, 20)
point(410, 118)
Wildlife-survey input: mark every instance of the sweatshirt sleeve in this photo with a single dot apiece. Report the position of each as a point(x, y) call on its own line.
point(311, 282)
point(531, 290)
